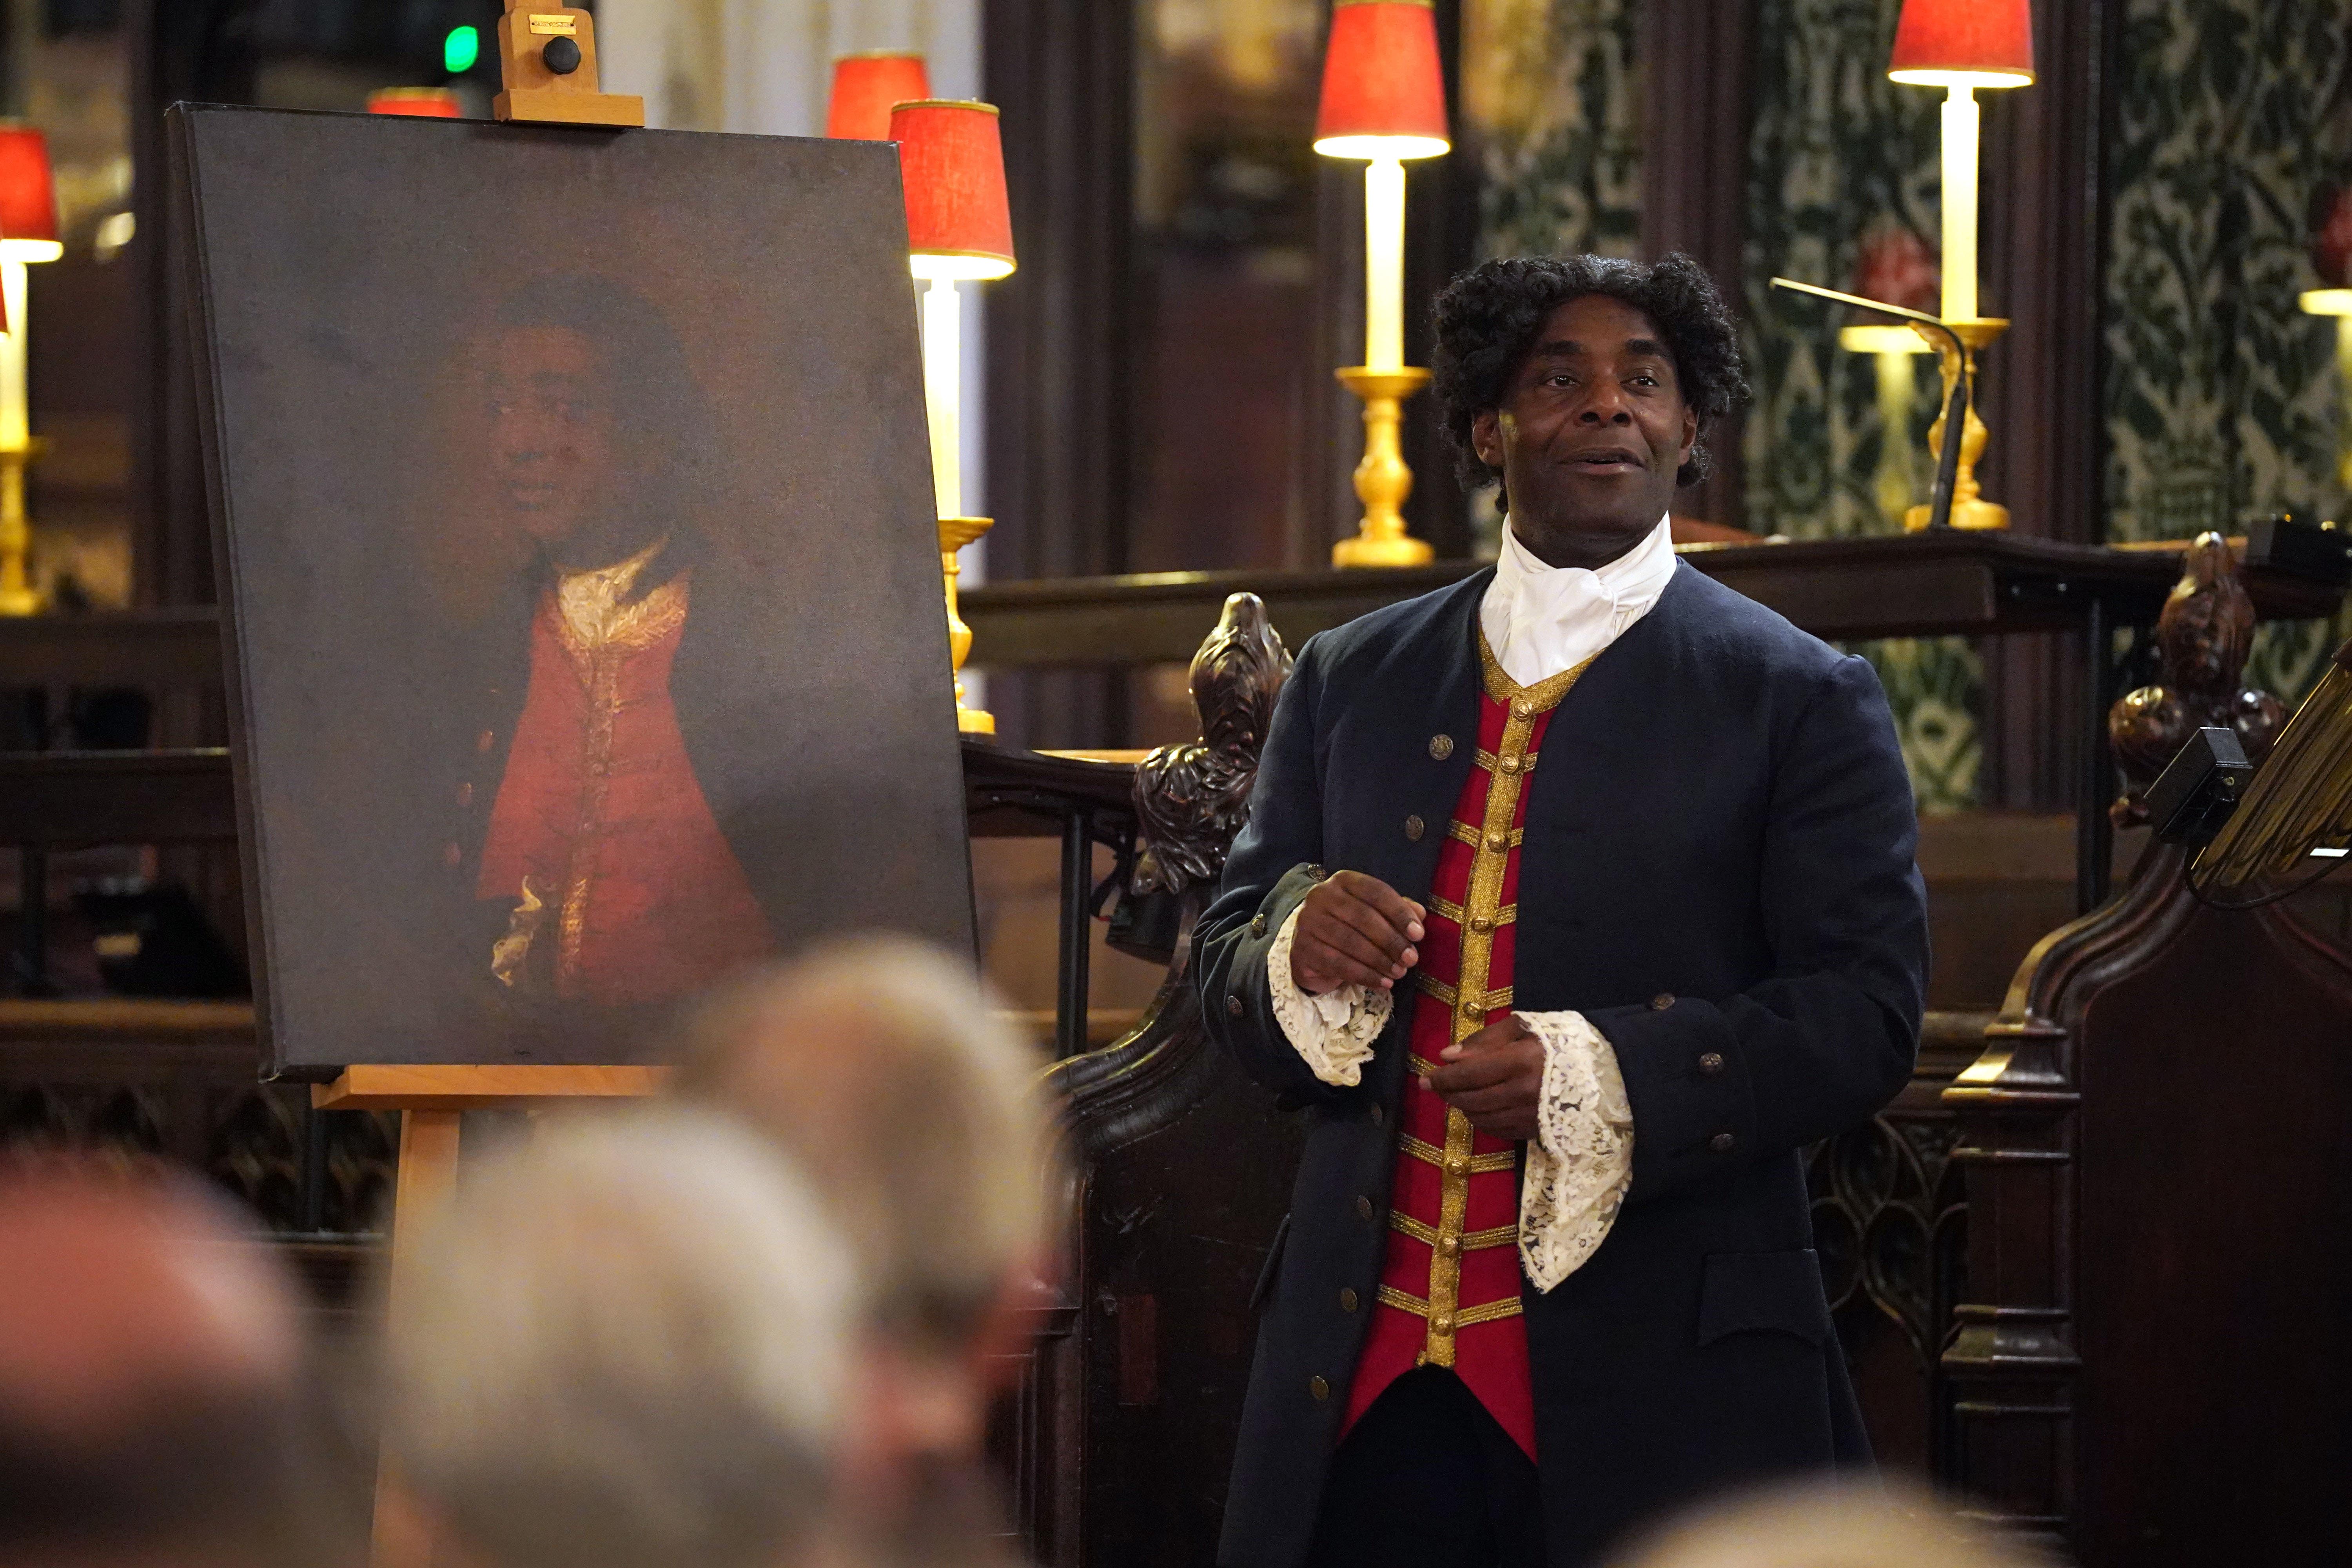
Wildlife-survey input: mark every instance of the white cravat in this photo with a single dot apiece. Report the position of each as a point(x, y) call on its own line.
point(1541, 619)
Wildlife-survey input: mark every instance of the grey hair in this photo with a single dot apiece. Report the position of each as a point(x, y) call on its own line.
point(624, 1347)
point(884, 1069)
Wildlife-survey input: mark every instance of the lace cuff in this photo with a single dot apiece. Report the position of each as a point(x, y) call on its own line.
point(1581, 1161)
point(1333, 1032)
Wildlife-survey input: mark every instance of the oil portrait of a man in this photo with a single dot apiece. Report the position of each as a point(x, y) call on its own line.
point(581, 573)
point(598, 869)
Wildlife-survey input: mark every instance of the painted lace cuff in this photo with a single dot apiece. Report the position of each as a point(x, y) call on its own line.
point(1333, 1032)
point(1581, 1161)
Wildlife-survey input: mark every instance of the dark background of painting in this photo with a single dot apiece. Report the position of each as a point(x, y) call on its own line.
point(342, 263)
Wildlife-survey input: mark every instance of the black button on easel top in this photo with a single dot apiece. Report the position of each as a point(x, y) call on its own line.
point(562, 55)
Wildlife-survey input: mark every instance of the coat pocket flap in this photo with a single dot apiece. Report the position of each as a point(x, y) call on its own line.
point(1777, 1290)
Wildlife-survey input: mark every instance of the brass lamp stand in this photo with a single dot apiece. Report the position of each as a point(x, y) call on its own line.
point(1382, 480)
point(955, 532)
point(1970, 509)
point(17, 596)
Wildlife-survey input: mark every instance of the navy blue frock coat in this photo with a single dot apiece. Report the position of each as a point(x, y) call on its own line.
point(1719, 872)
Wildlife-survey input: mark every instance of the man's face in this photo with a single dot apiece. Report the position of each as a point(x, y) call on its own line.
point(1590, 432)
point(552, 437)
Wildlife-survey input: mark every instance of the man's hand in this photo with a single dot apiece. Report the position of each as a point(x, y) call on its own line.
point(1495, 1078)
point(1354, 929)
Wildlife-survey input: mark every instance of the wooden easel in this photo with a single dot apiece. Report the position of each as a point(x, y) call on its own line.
point(547, 64)
point(430, 1100)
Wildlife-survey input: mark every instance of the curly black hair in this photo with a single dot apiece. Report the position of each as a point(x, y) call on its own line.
point(1487, 319)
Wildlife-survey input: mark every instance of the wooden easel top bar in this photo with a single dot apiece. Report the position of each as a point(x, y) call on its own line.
point(451, 1086)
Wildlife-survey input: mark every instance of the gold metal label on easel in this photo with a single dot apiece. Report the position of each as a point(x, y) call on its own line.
point(557, 25)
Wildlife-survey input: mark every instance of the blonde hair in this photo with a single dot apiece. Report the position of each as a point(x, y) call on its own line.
point(1828, 1524)
point(882, 1067)
point(623, 1347)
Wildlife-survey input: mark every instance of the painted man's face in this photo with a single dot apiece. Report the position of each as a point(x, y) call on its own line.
point(552, 435)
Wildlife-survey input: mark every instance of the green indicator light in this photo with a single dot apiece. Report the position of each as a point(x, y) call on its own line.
point(460, 50)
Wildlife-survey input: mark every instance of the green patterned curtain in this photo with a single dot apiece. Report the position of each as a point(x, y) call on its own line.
point(2223, 397)
point(1553, 109)
point(1843, 161)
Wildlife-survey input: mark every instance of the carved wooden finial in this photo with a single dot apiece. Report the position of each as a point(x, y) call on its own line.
point(2202, 638)
point(1191, 800)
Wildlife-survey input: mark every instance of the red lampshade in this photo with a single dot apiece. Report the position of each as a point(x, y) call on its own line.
point(865, 87)
point(1972, 43)
point(958, 222)
point(1384, 90)
point(427, 102)
point(28, 201)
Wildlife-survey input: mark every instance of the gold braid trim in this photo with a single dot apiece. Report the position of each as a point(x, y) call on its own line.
point(1477, 840)
point(1472, 1001)
point(1475, 1241)
point(1507, 915)
point(1431, 1155)
point(1470, 1317)
point(1493, 1311)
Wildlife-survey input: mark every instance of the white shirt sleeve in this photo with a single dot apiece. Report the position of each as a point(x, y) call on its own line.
point(1333, 1032)
point(1581, 1161)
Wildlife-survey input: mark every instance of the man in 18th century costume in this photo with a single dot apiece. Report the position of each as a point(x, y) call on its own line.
point(1575, 901)
point(585, 838)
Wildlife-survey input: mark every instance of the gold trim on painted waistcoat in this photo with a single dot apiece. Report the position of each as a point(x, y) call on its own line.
point(621, 632)
point(1469, 1000)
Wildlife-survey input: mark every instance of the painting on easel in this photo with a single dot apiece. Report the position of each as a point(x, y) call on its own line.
point(573, 510)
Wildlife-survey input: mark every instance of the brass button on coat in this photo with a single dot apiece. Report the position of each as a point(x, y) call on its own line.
point(1662, 1001)
point(1233, 1006)
point(1413, 828)
point(1448, 1243)
point(1499, 840)
point(1481, 925)
point(486, 740)
point(1443, 1323)
point(1711, 1063)
point(1523, 708)
point(1318, 1388)
point(1440, 747)
point(1511, 764)
point(1257, 925)
point(465, 795)
point(1721, 1142)
point(1457, 1164)
point(1363, 1208)
point(1379, 1115)
point(451, 856)
point(1348, 1298)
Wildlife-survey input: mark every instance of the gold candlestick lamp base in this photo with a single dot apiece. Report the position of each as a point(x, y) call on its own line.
point(1382, 480)
point(17, 595)
point(1969, 510)
point(955, 532)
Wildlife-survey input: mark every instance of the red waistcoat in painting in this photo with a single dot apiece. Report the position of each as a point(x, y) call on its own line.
point(624, 888)
point(1449, 1292)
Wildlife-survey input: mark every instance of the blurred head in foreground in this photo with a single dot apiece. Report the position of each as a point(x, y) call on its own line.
point(151, 1369)
point(1827, 1525)
point(623, 1347)
point(882, 1068)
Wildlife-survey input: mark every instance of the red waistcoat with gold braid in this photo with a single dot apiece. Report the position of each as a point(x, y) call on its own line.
point(1449, 1293)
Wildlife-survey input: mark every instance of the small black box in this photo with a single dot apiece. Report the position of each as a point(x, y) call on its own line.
point(2319, 550)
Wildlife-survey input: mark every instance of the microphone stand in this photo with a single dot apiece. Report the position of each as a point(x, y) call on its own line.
point(1956, 407)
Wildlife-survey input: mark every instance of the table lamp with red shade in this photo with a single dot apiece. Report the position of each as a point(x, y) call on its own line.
point(1383, 100)
point(868, 87)
point(1961, 46)
point(418, 102)
point(959, 230)
point(28, 233)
